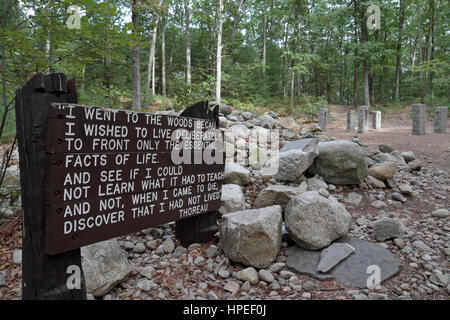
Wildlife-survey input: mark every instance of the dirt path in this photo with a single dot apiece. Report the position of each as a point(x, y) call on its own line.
point(433, 147)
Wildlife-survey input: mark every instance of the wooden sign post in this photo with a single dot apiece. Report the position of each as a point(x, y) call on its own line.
point(43, 276)
point(89, 174)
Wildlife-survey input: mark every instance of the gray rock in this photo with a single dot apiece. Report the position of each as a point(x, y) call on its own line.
point(351, 271)
point(147, 272)
point(146, 285)
point(266, 276)
point(139, 248)
point(277, 266)
point(289, 123)
point(387, 228)
point(246, 287)
point(315, 184)
point(178, 251)
point(305, 262)
point(387, 157)
point(236, 174)
point(199, 261)
point(408, 156)
point(194, 246)
point(252, 237)
point(340, 162)
point(422, 246)
point(17, 256)
point(212, 295)
point(378, 204)
point(225, 109)
point(249, 274)
point(309, 285)
point(313, 221)
point(169, 245)
point(232, 198)
point(386, 148)
point(397, 196)
point(2, 278)
point(224, 273)
point(212, 251)
point(267, 121)
point(104, 265)
point(334, 254)
point(232, 286)
point(292, 160)
point(375, 183)
point(353, 198)
point(247, 115)
point(277, 195)
point(441, 213)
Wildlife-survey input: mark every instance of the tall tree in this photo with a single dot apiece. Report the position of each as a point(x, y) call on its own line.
point(219, 51)
point(163, 58)
point(188, 42)
point(398, 65)
point(136, 65)
point(419, 38)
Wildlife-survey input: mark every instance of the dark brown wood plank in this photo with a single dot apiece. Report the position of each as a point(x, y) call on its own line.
point(43, 276)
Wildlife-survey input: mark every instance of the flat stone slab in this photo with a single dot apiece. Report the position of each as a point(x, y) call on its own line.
point(334, 254)
point(305, 262)
point(350, 272)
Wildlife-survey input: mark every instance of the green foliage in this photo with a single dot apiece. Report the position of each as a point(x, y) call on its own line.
point(185, 95)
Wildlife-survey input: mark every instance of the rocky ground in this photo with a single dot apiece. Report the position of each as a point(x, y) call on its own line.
point(402, 206)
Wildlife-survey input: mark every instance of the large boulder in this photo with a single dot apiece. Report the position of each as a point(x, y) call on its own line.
point(383, 171)
point(340, 162)
point(267, 121)
point(225, 109)
point(390, 157)
point(104, 265)
point(252, 237)
point(314, 221)
point(278, 195)
point(236, 174)
point(232, 199)
point(294, 159)
point(289, 124)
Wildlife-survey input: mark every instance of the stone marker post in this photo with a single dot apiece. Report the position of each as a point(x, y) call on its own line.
point(376, 120)
point(351, 120)
point(419, 119)
point(363, 119)
point(323, 114)
point(440, 119)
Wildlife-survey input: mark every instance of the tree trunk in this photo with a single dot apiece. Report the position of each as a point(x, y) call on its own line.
point(364, 39)
point(219, 53)
point(399, 47)
point(419, 36)
point(432, 47)
point(163, 59)
point(236, 21)
point(264, 39)
point(136, 68)
point(292, 88)
point(188, 43)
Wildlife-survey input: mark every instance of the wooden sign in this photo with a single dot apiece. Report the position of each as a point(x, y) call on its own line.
point(114, 172)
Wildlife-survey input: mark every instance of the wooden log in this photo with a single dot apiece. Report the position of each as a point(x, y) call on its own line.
point(43, 276)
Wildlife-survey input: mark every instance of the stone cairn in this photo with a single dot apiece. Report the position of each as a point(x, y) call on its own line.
point(376, 120)
point(418, 119)
point(351, 120)
point(363, 119)
point(440, 119)
point(323, 115)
